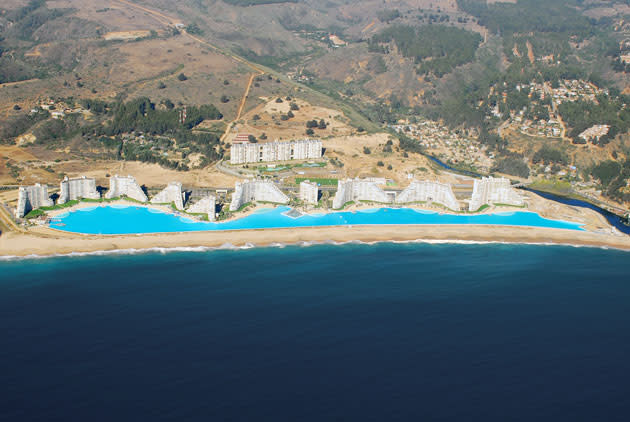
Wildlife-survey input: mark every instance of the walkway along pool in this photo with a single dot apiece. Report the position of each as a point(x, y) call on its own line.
point(143, 220)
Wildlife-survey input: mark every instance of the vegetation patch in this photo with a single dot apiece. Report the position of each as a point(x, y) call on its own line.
point(319, 181)
point(436, 48)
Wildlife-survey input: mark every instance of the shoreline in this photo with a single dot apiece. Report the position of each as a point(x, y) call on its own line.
point(228, 246)
point(42, 242)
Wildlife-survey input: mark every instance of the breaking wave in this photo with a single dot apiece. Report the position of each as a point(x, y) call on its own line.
point(303, 244)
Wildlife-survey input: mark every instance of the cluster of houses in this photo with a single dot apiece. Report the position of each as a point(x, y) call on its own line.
point(57, 110)
point(567, 90)
point(441, 141)
point(551, 128)
point(594, 133)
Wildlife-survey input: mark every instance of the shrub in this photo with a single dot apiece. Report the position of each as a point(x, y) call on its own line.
point(182, 77)
point(547, 155)
point(511, 165)
point(380, 164)
point(366, 150)
point(606, 171)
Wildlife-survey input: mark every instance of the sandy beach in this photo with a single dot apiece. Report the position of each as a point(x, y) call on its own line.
point(42, 241)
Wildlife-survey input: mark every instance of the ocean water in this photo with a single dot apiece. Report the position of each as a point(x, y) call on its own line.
point(122, 219)
point(385, 332)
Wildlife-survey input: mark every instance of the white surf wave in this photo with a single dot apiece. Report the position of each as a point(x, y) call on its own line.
point(246, 246)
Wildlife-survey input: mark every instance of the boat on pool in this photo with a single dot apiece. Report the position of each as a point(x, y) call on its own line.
point(118, 220)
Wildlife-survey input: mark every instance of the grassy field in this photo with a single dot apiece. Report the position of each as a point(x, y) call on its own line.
point(319, 181)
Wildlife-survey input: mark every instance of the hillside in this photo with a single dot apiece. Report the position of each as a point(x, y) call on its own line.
point(486, 70)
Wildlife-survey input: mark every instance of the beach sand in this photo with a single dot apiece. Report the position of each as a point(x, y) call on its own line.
point(43, 241)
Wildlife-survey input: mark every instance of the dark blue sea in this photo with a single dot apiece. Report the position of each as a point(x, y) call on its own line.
point(387, 332)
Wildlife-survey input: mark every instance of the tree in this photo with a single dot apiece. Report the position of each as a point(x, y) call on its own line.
point(294, 107)
point(380, 164)
point(252, 139)
point(194, 29)
point(224, 98)
point(366, 150)
point(161, 85)
point(310, 131)
point(322, 124)
point(513, 165)
point(290, 114)
point(182, 77)
point(548, 155)
point(279, 100)
point(606, 171)
point(255, 117)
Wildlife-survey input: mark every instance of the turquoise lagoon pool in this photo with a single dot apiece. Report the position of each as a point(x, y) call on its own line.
point(117, 219)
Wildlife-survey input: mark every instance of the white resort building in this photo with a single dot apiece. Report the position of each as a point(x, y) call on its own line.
point(256, 190)
point(426, 191)
point(172, 193)
point(305, 149)
point(125, 186)
point(309, 192)
point(32, 197)
point(490, 190)
point(358, 190)
point(206, 205)
point(79, 188)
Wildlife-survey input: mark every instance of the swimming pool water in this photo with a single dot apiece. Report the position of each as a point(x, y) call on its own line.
point(141, 220)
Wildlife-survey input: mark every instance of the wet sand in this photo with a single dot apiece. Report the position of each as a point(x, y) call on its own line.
point(43, 241)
